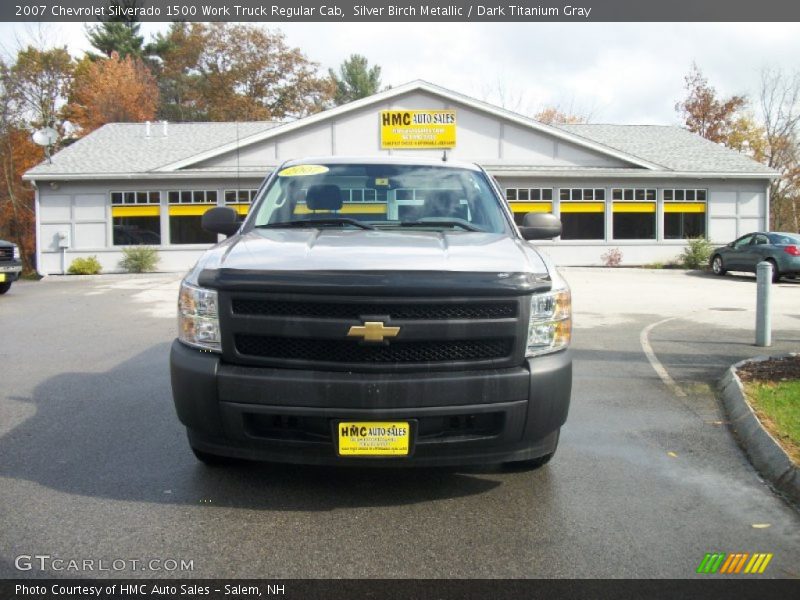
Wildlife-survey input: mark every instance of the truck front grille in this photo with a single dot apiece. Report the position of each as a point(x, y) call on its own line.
point(312, 331)
point(348, 351)
point(6, 253)
point(395, 311)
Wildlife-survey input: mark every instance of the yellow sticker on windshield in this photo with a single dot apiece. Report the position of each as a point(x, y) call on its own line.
point(302, 170)
point(381, 181)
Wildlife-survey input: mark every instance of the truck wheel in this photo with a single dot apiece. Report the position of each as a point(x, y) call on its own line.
point(533, 463)
point(213, 460)
point(4, 287)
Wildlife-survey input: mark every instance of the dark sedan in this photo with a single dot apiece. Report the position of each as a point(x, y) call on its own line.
point(781, 249)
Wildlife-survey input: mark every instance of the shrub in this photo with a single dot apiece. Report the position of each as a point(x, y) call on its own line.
point(612, 258)
point(85, 266)
point(139, 259)
point(697, 253)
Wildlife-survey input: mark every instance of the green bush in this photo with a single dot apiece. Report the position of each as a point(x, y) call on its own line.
point(85, 266)
point(139, 259)
point(696, 255)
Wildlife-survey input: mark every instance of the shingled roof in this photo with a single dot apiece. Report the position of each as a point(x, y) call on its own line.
point(673, 148)
point(124, 149)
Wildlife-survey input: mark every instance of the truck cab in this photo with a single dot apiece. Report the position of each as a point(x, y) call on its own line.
point(374, 312)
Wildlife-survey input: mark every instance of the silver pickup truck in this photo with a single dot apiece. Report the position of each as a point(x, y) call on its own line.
point(374, 312)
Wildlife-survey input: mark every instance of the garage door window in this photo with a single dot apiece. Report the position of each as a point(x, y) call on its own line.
point(583, 213)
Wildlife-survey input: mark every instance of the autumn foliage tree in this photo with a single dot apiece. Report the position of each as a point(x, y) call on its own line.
point(112, 90)
point(704, 113)
point(553, 116)
point(237, 72)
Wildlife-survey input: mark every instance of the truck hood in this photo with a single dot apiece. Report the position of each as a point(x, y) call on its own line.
point(281, 255)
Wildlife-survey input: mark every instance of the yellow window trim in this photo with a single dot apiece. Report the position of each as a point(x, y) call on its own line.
point(684, 207)
point(366, 208)
point(241, 209)
point(582, 207)
point(190, 210)
point(634, 207)
point(135, 211)
point(526, 207)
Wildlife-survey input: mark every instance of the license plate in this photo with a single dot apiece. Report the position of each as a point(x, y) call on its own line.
point(2, 277)
point(373, 438)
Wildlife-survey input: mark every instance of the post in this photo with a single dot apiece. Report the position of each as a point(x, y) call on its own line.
point(763, 309)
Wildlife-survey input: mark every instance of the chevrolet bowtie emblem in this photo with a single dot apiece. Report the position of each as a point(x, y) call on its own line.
point(373, 331)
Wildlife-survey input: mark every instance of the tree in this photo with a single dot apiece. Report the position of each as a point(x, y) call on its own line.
point(704, 113)
point(118, 34)
point(779, 101)
point(17, 154)
point(551, 116)
point(238, 72)
point(356, 79)
point(112, 90)
point(37, 84)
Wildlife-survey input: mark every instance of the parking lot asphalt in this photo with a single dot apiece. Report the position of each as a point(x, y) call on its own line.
point(647, 478)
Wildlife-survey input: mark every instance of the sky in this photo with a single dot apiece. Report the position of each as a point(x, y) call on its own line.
point(627, 73)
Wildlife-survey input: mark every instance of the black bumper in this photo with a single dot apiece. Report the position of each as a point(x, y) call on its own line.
point(287, 415)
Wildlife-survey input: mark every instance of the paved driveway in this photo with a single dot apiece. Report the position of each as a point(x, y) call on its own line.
point(94, 465)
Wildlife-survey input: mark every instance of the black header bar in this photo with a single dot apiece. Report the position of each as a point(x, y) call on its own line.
point(338, 11)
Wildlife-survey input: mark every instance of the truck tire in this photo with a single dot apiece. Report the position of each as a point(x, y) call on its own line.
point(4, 287)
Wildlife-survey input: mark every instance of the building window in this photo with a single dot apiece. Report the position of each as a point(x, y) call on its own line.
point(186, 229)
point(192, 196)
point(133, 198)
point(684, 213)
point(634, 213)
point(137, 231)
point(583, 213)
point(186, 213)
point(239, 196)
point(525, 200)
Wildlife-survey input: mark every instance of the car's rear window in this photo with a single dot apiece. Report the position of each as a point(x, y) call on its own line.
point(384, 196)
point(785, 239)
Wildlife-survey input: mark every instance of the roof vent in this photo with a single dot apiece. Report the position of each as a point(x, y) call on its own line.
point(147, 129)
point(164, 127)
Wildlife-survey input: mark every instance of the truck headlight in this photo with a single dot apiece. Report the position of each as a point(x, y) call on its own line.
point(16, 253)
point(550, 327)
point(198, 318)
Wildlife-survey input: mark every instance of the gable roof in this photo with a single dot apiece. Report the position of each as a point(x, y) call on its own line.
point(123, 149)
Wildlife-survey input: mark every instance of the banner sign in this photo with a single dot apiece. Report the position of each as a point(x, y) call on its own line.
point(418, 129)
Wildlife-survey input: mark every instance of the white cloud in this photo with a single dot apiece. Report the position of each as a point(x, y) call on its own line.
point(616, 72)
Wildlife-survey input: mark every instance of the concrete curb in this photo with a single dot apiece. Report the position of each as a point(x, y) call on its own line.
point(762, 449)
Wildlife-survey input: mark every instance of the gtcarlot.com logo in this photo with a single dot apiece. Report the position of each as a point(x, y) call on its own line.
point(46, 562)
point(734, 563)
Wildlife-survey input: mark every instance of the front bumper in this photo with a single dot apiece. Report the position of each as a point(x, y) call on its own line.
point(10, 271)
point(286, 415)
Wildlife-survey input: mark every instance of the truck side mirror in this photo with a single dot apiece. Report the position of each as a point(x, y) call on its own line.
point(222, 220)
point(540, 226)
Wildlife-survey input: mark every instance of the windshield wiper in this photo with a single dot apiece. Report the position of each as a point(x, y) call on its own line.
point(318, 222)
point(441, 223)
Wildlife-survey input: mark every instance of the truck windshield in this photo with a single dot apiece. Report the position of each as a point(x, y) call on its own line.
point(380, 196)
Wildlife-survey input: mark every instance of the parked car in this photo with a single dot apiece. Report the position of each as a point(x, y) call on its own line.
point(371, 312)
point(10, 265)
point(779, 248)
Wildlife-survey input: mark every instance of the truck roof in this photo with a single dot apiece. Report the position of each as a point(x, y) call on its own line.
point(373, 160)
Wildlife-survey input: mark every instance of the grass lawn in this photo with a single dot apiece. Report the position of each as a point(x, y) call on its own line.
point(777, 405)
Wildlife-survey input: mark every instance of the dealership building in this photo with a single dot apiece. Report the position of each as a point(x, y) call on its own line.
point(642, 189)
